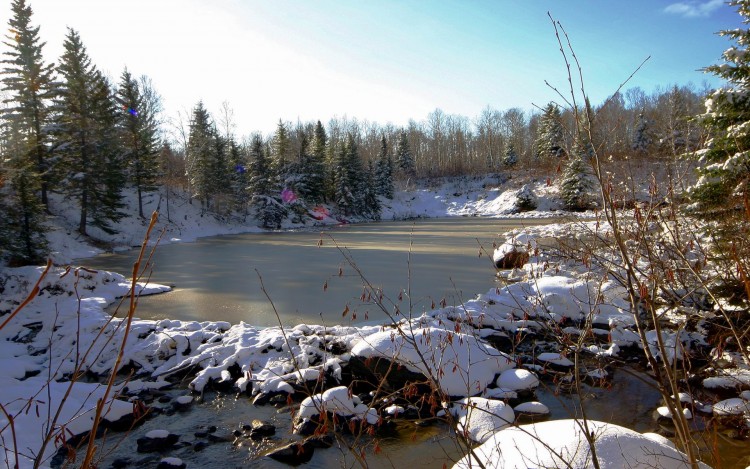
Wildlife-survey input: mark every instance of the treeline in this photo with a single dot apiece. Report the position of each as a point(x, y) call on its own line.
point(70, 130)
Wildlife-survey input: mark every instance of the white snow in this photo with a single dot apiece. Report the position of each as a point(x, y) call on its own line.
point(561, 443)
point(517, 380)
point(479, 418)
point(554, 358)
point(157, 434)
point(532, 407)
point(733, 406)
point(459, 363)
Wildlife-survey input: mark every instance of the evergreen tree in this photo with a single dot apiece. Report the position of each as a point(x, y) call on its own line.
point(314, 167)
point(383, 173)
point(724, 164)
point(219, 184)
point(239, 177)
point(404, 157)
point(549, 142)
point(138, 137)
point(280, 150)
point(31, 87)
point(577, 180)
point(22, 227)
point(200, 149)
point(370, 201)
point(268, 208)
point(87, 134)
point(642, 139)
point(510, 158)
point(347, 173)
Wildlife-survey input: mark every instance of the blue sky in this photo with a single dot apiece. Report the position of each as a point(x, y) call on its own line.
point(387, 60)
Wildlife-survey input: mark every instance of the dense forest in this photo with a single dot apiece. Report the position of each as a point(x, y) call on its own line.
point(71, 132)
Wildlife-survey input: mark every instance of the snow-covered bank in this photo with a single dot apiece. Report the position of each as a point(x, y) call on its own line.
point(182, 221)
point(466, 350)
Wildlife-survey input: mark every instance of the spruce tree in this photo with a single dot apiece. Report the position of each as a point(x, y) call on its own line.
point(404, 157)
point(138, 137)
point(87, 139)
point(549, 141)
point(30, 85)
point(22, 227)
point(510, 158)
point(642, 139)
point(577, 180)
point(345, 190)
point(724, 163)
point(280, 148)
point(220, 172)
point(239, 176)
point(383, 172)
point(370, 201)
point(314, 166)
point(263, 194)
point(199, 153)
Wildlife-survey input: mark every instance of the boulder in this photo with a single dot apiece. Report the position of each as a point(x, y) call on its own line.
point(513, 259)
point(156, 440)
point(295, 453)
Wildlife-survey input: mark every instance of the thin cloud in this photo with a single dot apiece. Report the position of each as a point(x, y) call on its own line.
point(694, 9)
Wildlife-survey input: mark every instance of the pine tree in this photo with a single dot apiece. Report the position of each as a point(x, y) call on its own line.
point(22, 227)
point(549, 143)
point(240, 177)
point(404, 157)
point(31, 88)
point(314, 167)
point(220, 173)
point(383, 178)
point(200, 148)
point(347, 169)
point(280, 148)
point(577, 180)
point(87, 139)
point(642, 139)
point(138, 137)
point(724, 164)
point(268, 208)
point(370, 201)
point(510, 158)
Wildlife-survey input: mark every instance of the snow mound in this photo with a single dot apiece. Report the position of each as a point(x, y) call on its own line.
point(517, 380)
point(561, 443)
point(532, 407)
point(480, 418)
point(461, 364)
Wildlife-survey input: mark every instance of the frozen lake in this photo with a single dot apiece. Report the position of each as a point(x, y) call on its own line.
point(309, 282)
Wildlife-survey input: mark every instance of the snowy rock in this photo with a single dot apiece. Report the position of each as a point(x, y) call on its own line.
point(512, 260)
point(532, 408)
point(500, 393)
point(394, 410)
point(294, 453)
point(335, 400)
point(561, 443)
point(734, 406)
point(171, 463)
point(460, 363)
point(660, 439)
point(555, 359)
point(156, 440)
point(480, 418)
point(517, 380)
point(260, 429)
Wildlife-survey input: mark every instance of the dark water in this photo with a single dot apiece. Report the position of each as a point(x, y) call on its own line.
point(218, 278)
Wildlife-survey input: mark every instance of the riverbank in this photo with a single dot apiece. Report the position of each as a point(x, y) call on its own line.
point(180, 220)
point(500, 346)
